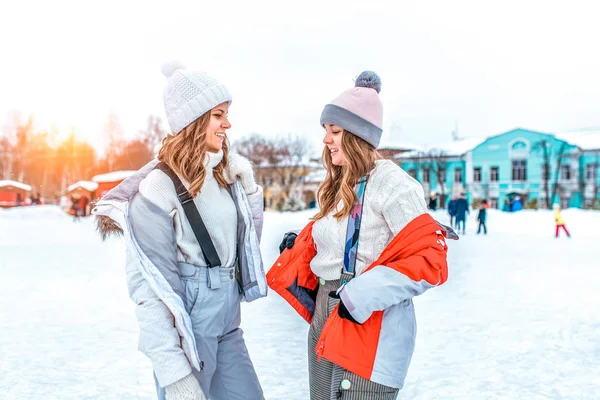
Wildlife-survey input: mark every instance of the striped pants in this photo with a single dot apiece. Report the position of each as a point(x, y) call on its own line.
point(326, 378)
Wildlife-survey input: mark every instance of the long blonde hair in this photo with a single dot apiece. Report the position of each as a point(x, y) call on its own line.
point(340, 181)
point(185, 152)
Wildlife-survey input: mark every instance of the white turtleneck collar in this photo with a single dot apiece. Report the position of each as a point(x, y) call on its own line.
point(211, 160)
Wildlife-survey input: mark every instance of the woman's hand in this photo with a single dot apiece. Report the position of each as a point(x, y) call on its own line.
point(240, 168)
point(342, 310)
point(186, 388)
point(288, 241)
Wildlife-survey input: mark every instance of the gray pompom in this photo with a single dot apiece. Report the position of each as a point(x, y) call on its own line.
point(368, 79)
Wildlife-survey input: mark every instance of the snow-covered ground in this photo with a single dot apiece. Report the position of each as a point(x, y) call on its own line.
point(519, 317)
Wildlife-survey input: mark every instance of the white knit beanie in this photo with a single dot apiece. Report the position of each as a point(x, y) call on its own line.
point(190, 94)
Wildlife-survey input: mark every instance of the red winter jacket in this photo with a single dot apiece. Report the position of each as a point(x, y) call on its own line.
point(380, 348)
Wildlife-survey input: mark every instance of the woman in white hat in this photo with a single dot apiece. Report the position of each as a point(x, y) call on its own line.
point(192, 221)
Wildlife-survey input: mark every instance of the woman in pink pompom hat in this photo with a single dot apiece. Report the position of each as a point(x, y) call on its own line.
point(353, 272)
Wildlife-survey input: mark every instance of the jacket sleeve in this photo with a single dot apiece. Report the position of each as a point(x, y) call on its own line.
point(383, 286)
point(256, 202)
point(159, 339)
point(386, 285)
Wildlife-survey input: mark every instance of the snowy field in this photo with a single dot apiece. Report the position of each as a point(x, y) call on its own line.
point(519, 317)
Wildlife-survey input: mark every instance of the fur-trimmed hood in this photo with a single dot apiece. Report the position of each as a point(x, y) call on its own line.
point(106, 227)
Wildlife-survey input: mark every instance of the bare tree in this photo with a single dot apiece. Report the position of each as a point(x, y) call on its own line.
point(435, 160)
point(292, 153)
point(38, 158)
point(6, 150)
point(153, 134)
point(257, 148)
point(277, 161)
point(292, 150)
point(262, 152)
point(596, 177)
point(115, 140)
point(21, 156)
point(559, 159)
point(135, 154)
point(6, 153)
point(75, 160)
point(546, 147)
point(39, 162)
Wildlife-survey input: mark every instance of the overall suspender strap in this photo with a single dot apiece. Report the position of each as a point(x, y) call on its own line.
point(193, 216)
point(353, 231)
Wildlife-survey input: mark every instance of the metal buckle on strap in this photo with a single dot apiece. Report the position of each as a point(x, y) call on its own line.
point(346, 276)
point(185, 197)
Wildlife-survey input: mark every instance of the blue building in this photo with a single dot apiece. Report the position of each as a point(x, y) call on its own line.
point(539, 168)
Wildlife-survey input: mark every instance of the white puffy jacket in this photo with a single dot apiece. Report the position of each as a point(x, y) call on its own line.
point(153, 276)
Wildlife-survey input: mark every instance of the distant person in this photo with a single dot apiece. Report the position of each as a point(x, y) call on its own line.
point(452, 211)
point(433, 202)
point(560, 222)
point(506, 206)
point(74, 211)
point(481, 216)
point(517, 204)
point(64, 202)
point(39, 198)
point(462, 209)
point(83, 203)
point(19, 199)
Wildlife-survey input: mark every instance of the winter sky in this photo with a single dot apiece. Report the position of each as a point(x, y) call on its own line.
point(486, 66)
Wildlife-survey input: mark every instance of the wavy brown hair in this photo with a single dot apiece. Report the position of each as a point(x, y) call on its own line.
point(340, 181)
point(185, 152)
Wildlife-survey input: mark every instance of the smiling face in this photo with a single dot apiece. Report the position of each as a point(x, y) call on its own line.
point(216, 130)
point(333, 141)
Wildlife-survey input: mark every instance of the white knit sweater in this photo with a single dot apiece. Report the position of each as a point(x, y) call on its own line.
point(392, 199)
point(214, 204)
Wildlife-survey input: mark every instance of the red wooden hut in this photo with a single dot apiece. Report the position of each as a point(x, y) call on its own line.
point(110, 180)
point(85, 192)
point(13, 193)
